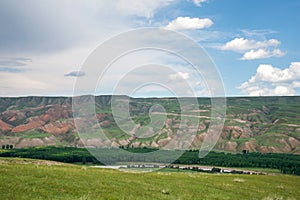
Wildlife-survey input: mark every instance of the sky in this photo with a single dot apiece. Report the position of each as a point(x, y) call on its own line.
point(45, 45)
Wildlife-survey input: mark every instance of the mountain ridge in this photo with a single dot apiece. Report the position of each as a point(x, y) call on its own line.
point(264, 124)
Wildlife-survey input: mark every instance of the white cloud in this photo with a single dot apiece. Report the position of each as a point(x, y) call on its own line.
point(145, 8)
point(296, 84)
point(262, 53)
point(199, 2)
point(281, 90)
point(242, 44)
point(253, 49)
point(284, 90)
point(270, 80)
point(179, 76)
point(187, 23)
point(272, 74)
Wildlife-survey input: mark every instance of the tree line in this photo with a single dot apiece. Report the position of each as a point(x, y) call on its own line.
point(7, 146)
point(286, 163)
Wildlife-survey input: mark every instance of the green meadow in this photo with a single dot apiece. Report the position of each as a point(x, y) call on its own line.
point(35, 179)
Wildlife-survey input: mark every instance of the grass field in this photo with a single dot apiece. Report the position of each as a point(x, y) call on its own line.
point(34, 179)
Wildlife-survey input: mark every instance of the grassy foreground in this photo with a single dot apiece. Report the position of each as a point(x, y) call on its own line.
point(33, 179)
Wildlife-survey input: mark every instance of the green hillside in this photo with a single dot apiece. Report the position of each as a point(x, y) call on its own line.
point(256, 124)
point(35, 179)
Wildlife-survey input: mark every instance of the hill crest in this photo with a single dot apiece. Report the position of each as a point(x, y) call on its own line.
point(264, 124)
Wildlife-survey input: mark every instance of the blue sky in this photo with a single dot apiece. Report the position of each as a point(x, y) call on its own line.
point(254, 43)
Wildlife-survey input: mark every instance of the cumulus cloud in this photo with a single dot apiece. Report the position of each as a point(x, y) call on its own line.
point(253, 49)
point(179, 76)
point(272, 74)
point(280, 90)
point(199, 2)
point(187, 23)
point(242, 44)
point(145, 8)
point(262, 53)
point(296, 84)
point(75, 74)
point(270, 80)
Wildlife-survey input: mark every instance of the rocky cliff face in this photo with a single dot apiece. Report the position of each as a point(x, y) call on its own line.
point(266, 124)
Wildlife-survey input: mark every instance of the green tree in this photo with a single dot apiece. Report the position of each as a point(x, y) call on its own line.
point(83, 160)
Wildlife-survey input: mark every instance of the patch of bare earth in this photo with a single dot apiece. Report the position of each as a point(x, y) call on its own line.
point(29, 161)
point(4, 126)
